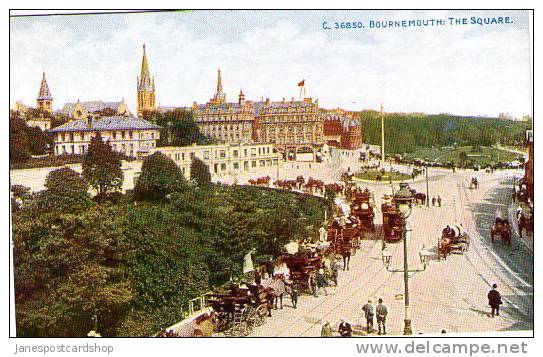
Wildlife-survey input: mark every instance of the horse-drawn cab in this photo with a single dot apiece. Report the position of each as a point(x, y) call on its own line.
point(392, 221)
point(502, 228)
point(474, 183)
point(240, 309)
point(453, 240)
point(362, 209)
point(525, 223)
point(302, 268)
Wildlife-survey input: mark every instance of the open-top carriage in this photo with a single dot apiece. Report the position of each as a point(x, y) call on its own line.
point(502, 228)
point(392, 221)
point(200, 324)
point(345, 240)
point(454, 239)
point(240, 309)
point(303, 269)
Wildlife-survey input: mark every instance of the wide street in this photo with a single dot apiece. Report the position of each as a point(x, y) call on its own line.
point(450, 294)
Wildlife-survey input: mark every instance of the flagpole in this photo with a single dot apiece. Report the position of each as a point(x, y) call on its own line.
point(382, 138)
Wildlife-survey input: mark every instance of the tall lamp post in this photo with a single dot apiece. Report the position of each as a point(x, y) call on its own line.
point(403, 200)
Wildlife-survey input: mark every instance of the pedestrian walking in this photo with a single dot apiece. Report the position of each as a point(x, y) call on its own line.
point(345, 329)
point(433, 201)
point(494, 300)
point(326, 330)
point(294, 296)
point(439, 200)
point(381, 312)
point(335, 270)
point(368, 313)
point(321, 281)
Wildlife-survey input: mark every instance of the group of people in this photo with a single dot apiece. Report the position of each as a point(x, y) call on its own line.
point(321, 281)
point(436, 200)
point(345, 329)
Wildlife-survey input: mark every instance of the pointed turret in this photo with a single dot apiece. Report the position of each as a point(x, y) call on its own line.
point(219, 97)
point(44, 100)
point(145, 87)
point(241, 97)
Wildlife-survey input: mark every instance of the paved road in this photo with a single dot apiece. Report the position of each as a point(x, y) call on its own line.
point(450, 294)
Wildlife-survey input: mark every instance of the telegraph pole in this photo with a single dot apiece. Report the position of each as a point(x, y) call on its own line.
point(382, 138)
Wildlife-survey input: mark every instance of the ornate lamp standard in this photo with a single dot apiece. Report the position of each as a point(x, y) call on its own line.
point(403, 199)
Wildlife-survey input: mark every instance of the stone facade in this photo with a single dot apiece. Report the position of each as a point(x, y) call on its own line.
point(294, 127)
point(224, 159)
point(226, 122)
point(129, 136)
point(342, 130)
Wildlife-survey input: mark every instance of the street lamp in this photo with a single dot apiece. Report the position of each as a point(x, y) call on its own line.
point(403, 199)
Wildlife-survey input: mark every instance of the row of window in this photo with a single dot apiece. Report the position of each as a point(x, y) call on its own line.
point(221, 154)
point(82, 136)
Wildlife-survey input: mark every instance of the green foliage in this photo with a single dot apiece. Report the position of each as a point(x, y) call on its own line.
point(65, 191)
point(178, 128)
point(136, 264)
point(405, 133)
point(102, 166)
point(159, 177)
point(199, 172)
point(25, 141)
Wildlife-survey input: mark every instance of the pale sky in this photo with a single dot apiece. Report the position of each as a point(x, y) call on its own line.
point(466, 70)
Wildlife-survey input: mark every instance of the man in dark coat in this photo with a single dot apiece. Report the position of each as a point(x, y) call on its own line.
point(368, 312)
point(345, 329)
point(382, 312)
point(494, 300)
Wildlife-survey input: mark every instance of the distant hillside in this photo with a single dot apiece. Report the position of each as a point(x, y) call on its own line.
point(406, 132)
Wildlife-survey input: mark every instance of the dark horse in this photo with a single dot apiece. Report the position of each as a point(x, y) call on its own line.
point(346, 254)
point(525, 224)
point(502, 228)
point(420, 198)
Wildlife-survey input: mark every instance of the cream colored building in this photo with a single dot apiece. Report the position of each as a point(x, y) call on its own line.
point(127, 135)
point(225, 159)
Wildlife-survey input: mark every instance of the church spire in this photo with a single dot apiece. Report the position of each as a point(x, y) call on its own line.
point(145, 76)
point(44, 93)
point(145, 87)
point(219, 97)
point(44, 100)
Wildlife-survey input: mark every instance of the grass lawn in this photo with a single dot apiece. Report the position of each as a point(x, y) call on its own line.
point(372, 175)
point(482, 156)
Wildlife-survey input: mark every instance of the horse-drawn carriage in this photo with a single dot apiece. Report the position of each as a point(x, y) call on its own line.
point(201, 324)
point(474, 183)
point(303, 267)
point(454, 239)
point(362, 209)
point(392, 221)
point(525, 223)
point(240, 309)
point(502, 228)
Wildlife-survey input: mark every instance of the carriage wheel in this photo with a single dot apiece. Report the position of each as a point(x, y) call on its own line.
point(248, 321)
point(260, 315)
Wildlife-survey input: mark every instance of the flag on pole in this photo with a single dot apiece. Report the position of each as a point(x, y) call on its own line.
point(302, 83)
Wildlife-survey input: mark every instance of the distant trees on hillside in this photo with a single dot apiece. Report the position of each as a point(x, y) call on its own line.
point(405, 132)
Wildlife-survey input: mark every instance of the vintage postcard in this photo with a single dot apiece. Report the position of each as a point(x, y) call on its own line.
point(272, 173)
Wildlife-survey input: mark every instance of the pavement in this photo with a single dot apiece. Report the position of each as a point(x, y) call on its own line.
point(449, 295)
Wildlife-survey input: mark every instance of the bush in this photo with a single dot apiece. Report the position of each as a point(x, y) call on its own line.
point(159, 177)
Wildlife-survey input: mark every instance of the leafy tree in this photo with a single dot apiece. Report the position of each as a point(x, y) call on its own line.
point(25, 141)
point(199, 172)
point(65, 191)
point(178, 128)
point(159, 177)
point(102, 166)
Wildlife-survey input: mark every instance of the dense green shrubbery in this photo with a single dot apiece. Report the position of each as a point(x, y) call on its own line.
point(134, 263)
point(406, 132)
